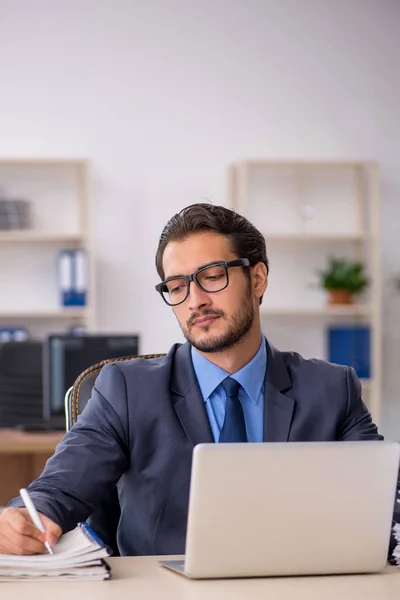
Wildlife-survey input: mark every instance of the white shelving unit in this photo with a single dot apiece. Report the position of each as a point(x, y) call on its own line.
point(308, 211)
point(59, 193)
point(37, 237)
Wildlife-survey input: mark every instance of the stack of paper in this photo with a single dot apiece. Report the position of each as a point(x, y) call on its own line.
point(78, 555)
point(396, 551)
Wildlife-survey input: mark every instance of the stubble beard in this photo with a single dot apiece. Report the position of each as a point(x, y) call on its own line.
point(241, 323)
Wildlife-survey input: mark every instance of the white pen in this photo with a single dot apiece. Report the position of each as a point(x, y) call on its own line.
point(34, 516)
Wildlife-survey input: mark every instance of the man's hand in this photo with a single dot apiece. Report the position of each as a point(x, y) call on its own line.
point(18, 535)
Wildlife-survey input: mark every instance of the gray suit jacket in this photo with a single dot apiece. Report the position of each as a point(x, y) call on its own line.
point(142, 422)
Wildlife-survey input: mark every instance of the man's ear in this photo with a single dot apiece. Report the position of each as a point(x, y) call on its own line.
point(259, 279)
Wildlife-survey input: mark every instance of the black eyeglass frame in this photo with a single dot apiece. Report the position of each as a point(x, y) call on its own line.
point(238, 262)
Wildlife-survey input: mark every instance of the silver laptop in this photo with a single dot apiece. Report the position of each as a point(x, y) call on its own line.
point(289, 509)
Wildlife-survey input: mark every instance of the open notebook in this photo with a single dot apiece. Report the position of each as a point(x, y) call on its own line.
point(78, 555)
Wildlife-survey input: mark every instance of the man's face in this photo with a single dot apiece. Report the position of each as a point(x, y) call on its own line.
point(211, 322)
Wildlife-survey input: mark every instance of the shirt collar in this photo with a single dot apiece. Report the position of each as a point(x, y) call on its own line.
point(251, 376)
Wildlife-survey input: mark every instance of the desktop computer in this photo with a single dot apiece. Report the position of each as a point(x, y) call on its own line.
point(35, 375)
point(21, 386)
point(64, 359)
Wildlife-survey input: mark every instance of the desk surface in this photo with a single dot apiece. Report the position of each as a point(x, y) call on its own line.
point(13, 441)
point(141, 578)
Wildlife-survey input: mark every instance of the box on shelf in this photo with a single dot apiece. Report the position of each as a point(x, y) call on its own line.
point(14, 214)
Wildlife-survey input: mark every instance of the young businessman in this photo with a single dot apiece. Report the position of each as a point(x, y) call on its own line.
point(146, 415)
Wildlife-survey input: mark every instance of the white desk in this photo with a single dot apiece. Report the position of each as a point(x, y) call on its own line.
point(142, 578)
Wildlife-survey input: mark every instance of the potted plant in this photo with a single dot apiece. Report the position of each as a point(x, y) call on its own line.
point(343, 279)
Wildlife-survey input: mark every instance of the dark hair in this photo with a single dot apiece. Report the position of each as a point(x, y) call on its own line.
point(245, 239)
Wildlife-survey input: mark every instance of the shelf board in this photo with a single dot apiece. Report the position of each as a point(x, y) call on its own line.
point(311, 163)
point(314, 237)
point(61, 313)
point(43, 161)
point(29, 236)
point(323, 311)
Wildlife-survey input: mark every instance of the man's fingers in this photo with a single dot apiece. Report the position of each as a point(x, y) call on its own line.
point(18, 535)
point(53, 531)
point(51, 539)
point(20, 522)
point(16, 543)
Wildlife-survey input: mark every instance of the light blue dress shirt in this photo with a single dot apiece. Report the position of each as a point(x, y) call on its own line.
point(251, 393)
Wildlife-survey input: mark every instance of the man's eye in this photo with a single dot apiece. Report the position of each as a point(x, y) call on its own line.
point(214, 277)
point(176, 289)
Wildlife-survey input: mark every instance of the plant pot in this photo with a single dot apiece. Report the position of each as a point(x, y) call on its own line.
point(340, 297)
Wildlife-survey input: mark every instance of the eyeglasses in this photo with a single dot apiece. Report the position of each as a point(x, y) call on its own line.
point(211, 278)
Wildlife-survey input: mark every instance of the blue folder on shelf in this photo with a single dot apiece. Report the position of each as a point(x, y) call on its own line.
point(72, 277)
point(351, 346)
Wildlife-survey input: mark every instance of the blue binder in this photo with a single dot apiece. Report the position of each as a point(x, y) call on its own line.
point(72, 277)
point(80, 278)
point(351, 346)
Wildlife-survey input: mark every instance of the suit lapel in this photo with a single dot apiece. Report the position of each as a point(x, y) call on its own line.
point(278, 408)
point(191, 410)
point(188, 401)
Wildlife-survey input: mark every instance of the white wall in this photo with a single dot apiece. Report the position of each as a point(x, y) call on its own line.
point(162, 95)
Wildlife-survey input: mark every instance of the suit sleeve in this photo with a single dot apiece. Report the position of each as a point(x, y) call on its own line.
point(357, 424)
point(89, 459)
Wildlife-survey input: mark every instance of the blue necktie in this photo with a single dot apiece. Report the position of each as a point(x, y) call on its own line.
point(234, 428)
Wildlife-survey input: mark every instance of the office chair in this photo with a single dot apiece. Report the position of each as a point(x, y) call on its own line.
point(104, 521)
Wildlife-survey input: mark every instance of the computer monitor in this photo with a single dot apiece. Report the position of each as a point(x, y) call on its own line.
point(64, 359)
point(21, 389)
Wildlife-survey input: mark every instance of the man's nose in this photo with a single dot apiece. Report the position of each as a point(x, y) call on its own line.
point(197, 297)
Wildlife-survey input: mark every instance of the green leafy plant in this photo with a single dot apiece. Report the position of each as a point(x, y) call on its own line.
point(342, 274)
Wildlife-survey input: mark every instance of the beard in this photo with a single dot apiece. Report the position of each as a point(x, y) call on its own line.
point(239, 326)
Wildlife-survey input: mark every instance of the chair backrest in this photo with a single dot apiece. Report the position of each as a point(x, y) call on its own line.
point(79, 394)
